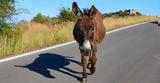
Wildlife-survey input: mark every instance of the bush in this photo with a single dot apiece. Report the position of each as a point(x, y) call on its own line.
point(66, 15)
point(8, 31)
point(7, 9)
point(122, 13)
point(39, 18)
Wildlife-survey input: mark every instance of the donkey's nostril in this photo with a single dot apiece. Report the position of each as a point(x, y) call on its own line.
point(86, 52)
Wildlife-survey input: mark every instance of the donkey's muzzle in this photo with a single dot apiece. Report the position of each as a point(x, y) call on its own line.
point(86, 52)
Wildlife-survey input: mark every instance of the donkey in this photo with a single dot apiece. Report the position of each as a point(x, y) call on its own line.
point(88, 31)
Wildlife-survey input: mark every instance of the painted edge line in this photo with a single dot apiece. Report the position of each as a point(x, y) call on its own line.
point(63, 44)
point(122, 28)
point(33, 52)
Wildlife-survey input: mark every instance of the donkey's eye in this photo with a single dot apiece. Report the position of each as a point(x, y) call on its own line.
point(81, 33)
point(91, 24)
point(91, 30)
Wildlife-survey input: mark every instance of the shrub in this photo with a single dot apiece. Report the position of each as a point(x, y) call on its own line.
point(39, 18)
point(9, 32)
point(66, 15)
point(122, 13)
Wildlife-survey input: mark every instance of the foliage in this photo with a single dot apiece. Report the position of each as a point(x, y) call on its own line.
point(35, 35)
point(66, 15)
point(28, 36)
point(7, 9)
point(8, 31)
point(39, 18)
point(122, 13)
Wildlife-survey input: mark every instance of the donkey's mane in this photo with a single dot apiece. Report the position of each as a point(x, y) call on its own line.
point(85, 11)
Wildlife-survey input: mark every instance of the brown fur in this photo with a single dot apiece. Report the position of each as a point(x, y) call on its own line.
point(86, 21)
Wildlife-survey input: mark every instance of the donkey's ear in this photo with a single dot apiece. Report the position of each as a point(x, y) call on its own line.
point(76, 10)
point(92, 11)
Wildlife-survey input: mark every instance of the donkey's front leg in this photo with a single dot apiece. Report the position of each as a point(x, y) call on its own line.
point(93, 64)
point(84, 65)
point(93, 59)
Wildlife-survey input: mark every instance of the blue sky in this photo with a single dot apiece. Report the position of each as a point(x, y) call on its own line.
point(51, 7)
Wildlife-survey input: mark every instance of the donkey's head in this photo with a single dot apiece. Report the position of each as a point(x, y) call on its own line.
point(86, 25)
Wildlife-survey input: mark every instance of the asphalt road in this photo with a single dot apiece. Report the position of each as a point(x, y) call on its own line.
point(131, 55)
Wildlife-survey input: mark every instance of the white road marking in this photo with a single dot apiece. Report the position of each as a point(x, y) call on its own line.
point(56, 46)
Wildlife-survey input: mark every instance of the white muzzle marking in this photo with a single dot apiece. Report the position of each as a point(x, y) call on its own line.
point(87, 44)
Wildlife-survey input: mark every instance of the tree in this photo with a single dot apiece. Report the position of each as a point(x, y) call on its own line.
point(66, 15)
point(39, 18)
point(123, 13)
point(7, 9)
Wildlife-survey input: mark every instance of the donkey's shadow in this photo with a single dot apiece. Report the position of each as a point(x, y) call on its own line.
point(52, 61)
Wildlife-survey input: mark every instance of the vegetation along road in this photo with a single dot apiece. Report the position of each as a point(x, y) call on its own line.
point(130, 55)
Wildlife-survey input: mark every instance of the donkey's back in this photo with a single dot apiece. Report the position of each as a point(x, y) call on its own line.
point(99, 26)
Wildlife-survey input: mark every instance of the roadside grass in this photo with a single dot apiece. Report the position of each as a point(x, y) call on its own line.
point(35, 36)
point(118, 22)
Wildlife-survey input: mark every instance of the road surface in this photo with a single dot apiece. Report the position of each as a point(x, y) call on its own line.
point(130, 55)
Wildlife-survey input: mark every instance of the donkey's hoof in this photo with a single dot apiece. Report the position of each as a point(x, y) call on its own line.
point(89, 65)
point(84, 80)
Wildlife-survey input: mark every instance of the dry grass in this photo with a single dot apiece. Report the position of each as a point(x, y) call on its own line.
point(114, 23)
point(35, 36)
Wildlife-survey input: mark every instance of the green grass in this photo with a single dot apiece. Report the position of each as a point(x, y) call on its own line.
point(35, 36)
